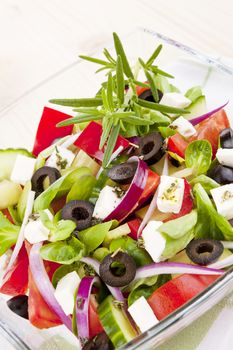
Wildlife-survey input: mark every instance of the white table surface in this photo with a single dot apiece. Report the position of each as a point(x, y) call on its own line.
point(39, 38)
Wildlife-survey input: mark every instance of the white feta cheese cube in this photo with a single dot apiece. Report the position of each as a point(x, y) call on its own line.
point(223, 199)
point(142, 314)
point(175, 99)
point(170, 194)
point(225, 156)
point(154, 241)
point(23, 169)
point(35, 231)
point(65, 291)
point(108, 200)
point(61, 158)
point(184, 127)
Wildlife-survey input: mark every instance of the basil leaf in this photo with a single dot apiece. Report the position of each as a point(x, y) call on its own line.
point(165, 131)
point(82, 188)
point(198, 156)
point(8, 234)
point(174, 246)
point(77, 102)
point(63, 270)
point(120, 51)
point(62, 230)
point(63, 252)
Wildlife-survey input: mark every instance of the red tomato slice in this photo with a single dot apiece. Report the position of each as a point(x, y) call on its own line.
point(210, 129)
point(150, 188)
point(177, 292)
point(95, 326)
point(134, 226)
point(140, 89)
point(47, 130)
point(177, 144)
point(15, 282)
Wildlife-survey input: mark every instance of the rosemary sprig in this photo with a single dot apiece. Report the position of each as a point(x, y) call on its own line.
point(111, 144)
point(77, 102)
point(120, 52)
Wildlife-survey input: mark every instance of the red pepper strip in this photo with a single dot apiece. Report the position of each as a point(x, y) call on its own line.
point(134, 226)
point(177, 144)
point(47, 130)
point(89, 141)
point(150, 188)
point(95, 326)
point(15, 282)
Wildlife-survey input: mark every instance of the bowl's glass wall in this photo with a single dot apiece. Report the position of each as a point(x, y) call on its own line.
point(18, 124)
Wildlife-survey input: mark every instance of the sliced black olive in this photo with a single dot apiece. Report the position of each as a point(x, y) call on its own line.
point(19, 305)
point(204, 251)
point(151, 148)
point(147, 95)
point(39, 176)
point(99, 342)
point(80, 212)
point(226, 138)
point(221, 174)
point(123, 173)
point(117, 270)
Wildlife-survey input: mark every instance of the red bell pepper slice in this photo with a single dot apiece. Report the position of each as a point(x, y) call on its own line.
point(152, 183)
point(134, 225)
point(15, 282)
point(95, 326)
point(177, 144)
point(89, 141)
point(47, 130)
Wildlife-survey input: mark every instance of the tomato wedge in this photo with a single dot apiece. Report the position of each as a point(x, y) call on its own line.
point(95, 326)
point(150, 188)
point(177, 144)
point(15, 282)
point(134, 225)
point(177, 292)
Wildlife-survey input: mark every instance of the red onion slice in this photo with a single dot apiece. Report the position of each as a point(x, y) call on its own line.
point(201, 118)
point(133, 193)
point(116, 292)
point(82, 306)
point(221, 264)
point(44, 285)
point(174, 268)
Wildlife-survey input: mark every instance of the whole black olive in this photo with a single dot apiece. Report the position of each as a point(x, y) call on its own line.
point(19, 305)
point(204, 251)
point(147, 95)
point(39, 176)
point(221, 174)
point(226, 138)
point(151, 148)
point(123, 173)
point(99, 342)
point(80, 212)
point(117, 270)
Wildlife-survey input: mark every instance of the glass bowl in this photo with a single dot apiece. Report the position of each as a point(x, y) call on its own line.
point(18, 124)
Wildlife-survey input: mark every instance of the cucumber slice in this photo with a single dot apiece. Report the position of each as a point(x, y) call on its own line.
point(197, 108)
point(9, 193)
point(7, 160)
point(83, 159)
point(122, 230)
point(115, 322)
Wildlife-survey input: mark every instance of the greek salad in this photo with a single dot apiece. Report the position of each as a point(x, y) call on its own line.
point(122, 213)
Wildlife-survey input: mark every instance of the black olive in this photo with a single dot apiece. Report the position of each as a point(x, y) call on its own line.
point(39, 176)
point(80, 212)
point(123, 173)
point(174, 162)
point(99, 342)
point(151, 148)
point(117, 270)
point(204, 251)
point(19, 305)
point(147, 95)
point(221, 174)
point(226, 138)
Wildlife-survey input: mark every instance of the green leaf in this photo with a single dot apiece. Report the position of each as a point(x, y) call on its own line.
point(120, 80)
point(120, 51)
point(96, 60)
point(46, 220)
point(63, 270)
point(159, 118)
point(78, 102)
point(165, 131)
point(206, 182)
point(8, 234)
point(138, 121)
point(108, 56)
point(106, 131)
point(63, 252)
point(154, 55)
point(111, 144)
point(100, 253)
point(62, 230)
point(194, 93)
point(161, 108)
point(174, 246)
point(82, 188)
point(110, 90)
point(94, 236)
point(179, 227)
point(198, 156)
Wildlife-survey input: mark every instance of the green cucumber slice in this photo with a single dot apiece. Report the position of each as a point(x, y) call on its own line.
point(197, 108)
point(7, 160)
point(9, 193)
point(115, 322)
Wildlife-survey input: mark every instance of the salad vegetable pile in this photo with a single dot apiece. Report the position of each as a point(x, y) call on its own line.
point(120, 214)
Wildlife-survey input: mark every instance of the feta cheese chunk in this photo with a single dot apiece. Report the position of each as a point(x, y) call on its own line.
point(108, 200)
point(184, 127)
point(175, 99)
point(61, 158)
point(170, 194)
point(223, 199)
point(35, 231)
point(154, 241)
point(142, 314)
point(65, 291)
point(225, 156)
point(23, 169)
